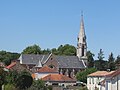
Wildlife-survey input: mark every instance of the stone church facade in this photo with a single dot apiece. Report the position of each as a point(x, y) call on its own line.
point(66, 65)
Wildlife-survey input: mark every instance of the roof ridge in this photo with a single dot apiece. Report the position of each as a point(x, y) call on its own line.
point(47, 58)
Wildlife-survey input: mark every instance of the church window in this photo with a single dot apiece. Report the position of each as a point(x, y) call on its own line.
point(51, 66)
point(83, 50)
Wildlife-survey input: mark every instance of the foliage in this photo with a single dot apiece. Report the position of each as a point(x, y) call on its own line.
point(90, 59)
point(100, 55)
point(48, 51)
point(117, 60)
point(61, 50)
point(34, 49)
point(10, 87)
point(66, 50)
point(82, 76)
point(6, 57)
point(11, 77)
point(100, 64)
point(38, 85)
point(2, 76)
point(24, 80)
point(111, 62)
point(83, 88)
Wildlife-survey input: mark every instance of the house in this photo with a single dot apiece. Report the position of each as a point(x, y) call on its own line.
point(44, 71)
point(104, 80)
point(59, 80)
point(15, 65)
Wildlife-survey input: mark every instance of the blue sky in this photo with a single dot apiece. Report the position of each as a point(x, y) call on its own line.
point(50, 23)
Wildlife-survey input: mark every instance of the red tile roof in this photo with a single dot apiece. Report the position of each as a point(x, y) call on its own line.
point(33, 76)
point(46, 69)
point(11, 65)
point(115, 73)
point(101, 73)
point(58, 78)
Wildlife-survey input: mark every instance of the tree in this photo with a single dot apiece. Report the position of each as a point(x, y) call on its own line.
point(48, 51)
point(38, 85)
point(34, 49)
point(111, 63)
point(100, 55)
point(23, 80)
point(82, 76)
point(2, 77)
point(117, 60)
point(55, 51)
point(7, 57)
point(90, 59)
point(100, 64)
point(66, 50)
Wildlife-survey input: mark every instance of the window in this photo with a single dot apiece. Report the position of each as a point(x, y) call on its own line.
point(93, 80)
point(89, 80)
point(51, 66)
point(51, 58)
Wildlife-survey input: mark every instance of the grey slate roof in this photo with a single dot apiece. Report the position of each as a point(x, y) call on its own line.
point(33, 59)
point(63, 61)
point(69, 62)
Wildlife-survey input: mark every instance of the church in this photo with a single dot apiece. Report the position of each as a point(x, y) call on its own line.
point(65, 65)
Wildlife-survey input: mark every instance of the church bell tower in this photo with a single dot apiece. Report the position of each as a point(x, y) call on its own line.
point(82, 44)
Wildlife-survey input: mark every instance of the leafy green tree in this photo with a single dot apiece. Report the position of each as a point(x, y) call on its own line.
point(55, 51)
point(23, 80)
point(48, 51)
point(90, 59)
point(39, 85)
point(82, 76)
point(66, 50)
point(111, 62)
point(34, 49)
point(2, 77)
point(7, 57)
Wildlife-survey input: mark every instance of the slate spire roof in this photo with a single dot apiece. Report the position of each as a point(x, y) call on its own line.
point(82, 30)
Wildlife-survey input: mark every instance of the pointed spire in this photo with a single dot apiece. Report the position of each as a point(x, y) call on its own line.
point(82, 29)
point(82, 44)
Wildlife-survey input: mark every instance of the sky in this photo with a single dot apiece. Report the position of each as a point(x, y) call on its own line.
point(50, 23)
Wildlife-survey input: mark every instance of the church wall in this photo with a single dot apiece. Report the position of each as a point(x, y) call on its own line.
point(52, 63)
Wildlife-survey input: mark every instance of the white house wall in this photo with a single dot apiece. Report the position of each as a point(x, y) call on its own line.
point(93, 82)
point(41, 75)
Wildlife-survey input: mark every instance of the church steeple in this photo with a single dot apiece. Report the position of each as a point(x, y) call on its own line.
point(82, 44)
